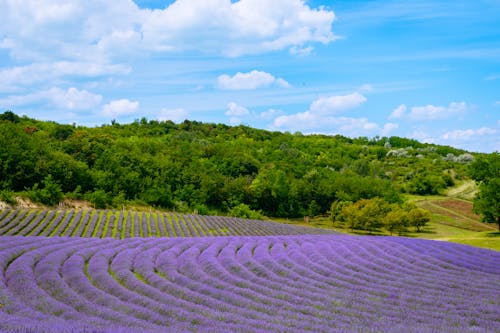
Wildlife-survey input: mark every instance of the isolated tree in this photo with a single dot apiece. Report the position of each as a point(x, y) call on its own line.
point(485, 170)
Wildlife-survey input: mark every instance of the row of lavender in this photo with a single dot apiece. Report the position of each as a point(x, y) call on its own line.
point(308, 283)
point(124, 224)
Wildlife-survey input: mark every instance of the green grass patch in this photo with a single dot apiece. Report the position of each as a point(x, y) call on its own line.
point(140, 277)
point(105, 227)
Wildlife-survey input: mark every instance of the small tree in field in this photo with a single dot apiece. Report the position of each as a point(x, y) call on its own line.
point(396, 221)
point(418, 218)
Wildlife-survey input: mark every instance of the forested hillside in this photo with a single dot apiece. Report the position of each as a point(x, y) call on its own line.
point(214, 168)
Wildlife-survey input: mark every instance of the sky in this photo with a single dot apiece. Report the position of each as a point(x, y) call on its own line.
point(427, 70)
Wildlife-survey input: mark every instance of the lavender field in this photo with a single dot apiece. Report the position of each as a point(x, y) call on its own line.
point(300, 283)
point(125, 224)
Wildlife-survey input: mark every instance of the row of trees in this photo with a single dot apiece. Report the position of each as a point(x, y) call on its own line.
point(376, 214)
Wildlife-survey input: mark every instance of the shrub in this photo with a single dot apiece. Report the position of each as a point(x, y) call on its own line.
point(50, 194)
point(244, 211)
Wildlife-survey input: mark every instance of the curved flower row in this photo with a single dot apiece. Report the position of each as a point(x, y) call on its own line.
point(126, 224)
point(308, 283)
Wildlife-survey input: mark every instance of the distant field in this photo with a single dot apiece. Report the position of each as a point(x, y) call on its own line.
point(126, 224)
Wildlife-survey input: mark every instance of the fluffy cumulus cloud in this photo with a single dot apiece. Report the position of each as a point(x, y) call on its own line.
point(249, 81)
point(120, 107)
point(398, 112)
point(429, 112)
point(388, 128)
point(322, 116)
point(235, 112)
point(103, 28)
point(237, 28)
point(175, 115)
point(336, 104)
point(70, 99)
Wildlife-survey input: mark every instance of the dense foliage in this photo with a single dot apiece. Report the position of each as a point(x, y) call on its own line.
point(486, 171)
point(214, 168)
point(306, 283)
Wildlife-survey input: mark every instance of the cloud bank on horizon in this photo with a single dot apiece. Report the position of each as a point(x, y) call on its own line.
point(428, 70)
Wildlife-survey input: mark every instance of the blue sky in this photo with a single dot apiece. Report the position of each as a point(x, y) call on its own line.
point(428, 70)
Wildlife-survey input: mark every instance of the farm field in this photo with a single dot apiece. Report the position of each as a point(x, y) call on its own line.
point(453, 220)
point(128, 223)
point(150, 271)
point(304, 283)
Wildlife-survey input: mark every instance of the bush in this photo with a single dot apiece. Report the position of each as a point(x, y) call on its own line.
point(99, 198)
point(426, 185)
point(50, 194)
point(8, 197)
point(244, 211)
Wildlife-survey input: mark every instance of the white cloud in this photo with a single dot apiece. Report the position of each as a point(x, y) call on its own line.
point(270, 114)
point(322, 117)
point(355, 126)
point(213, 26)
point(17, 76)
point(176, 115)
point(74, 99)
point(243, 27)
point(310, 122)
point(431, 112)
point(468, 134)
point(398, 112)
point(336, 104)
point(120, 107)
point(301, 51)
point(249, 81)
point(235, 110)
point(93, 38)
point(70, 99)
point(388, 128)
point(282, 83)
point(497, 103)
point(484, 139)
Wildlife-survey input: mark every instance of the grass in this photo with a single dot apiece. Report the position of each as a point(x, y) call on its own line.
point(452, 220)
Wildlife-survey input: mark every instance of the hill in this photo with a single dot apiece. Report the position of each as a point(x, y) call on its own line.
point(213, 168)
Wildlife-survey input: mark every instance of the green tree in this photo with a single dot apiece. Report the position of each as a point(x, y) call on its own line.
point(336, 211)
point(418, 218)
point(396, 220)
point(486, 171)
point(50, 193)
